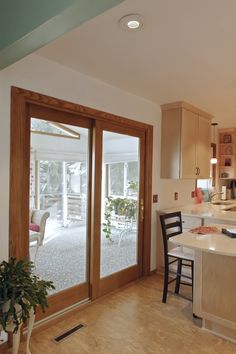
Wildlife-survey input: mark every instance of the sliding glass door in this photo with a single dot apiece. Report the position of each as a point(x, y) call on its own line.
point(122, 206)
point(59, 205)
point(77, 196)
point(59, 230)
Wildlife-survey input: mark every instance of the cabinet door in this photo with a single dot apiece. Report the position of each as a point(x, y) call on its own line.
point(203, 147)
point(170, 143)
point(188, 144)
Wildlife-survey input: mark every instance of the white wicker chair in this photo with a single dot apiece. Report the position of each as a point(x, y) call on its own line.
point(38, 217)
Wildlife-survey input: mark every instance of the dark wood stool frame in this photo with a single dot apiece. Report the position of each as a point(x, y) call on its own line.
point(166, 235)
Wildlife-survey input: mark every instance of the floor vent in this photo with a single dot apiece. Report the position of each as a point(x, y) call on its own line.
point(67, 333)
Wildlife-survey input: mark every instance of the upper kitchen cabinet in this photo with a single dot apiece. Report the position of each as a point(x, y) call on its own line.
point(185, 141)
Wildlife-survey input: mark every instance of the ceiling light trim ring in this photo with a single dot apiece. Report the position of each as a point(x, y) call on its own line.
point(131, 22)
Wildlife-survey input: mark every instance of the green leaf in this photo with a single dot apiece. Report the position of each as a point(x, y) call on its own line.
point(22, 287)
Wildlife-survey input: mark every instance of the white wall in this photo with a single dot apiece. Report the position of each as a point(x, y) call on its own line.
point(38, 74)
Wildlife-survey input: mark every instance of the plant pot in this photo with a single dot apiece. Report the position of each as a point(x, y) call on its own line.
point(10, 324)
point(10, 327)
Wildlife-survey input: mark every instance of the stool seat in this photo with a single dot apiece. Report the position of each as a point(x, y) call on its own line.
point(182, 252)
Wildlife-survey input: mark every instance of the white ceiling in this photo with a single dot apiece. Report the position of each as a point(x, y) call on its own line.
point(186, 51)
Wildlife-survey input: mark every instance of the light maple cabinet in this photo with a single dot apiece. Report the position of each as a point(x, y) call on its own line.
point(185, 141)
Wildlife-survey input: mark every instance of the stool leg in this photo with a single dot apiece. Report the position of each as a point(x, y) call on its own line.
point(178, 279)
point(192, 271)
point(166, 279)
point(192, 268)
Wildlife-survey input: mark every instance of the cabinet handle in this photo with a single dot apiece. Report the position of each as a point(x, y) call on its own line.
point(197, 171)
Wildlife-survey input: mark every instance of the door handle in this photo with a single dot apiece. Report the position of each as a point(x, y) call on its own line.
point(142, 209)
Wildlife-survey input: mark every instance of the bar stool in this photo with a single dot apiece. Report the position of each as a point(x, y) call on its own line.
point(171, 225)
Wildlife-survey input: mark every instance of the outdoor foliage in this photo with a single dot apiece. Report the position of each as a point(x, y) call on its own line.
point(118, 206)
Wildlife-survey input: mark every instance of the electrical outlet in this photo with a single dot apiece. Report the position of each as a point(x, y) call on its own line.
point(155, 198)
point(176, 196)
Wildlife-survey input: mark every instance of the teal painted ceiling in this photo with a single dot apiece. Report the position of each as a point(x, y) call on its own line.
point(27, 25)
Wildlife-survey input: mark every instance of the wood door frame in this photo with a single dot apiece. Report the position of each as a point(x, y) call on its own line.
point(21, 100)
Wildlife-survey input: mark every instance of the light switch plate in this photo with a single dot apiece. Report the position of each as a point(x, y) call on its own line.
point(155, 198)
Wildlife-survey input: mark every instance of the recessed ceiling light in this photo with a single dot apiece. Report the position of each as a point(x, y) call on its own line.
point(132, 22)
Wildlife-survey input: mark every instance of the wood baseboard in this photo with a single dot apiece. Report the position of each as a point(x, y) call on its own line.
point(152, 272)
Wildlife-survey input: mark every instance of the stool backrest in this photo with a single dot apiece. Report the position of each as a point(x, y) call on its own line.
point(171, 225)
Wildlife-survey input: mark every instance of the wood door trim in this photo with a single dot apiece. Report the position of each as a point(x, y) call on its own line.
point(148, 201)
point(19, 165)
point(75, 108)
point(19, 178)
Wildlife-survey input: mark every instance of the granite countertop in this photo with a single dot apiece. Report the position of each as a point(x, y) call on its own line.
point(208, 210)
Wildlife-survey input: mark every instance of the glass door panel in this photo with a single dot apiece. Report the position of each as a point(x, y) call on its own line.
point(120, 201)
point(58, 202)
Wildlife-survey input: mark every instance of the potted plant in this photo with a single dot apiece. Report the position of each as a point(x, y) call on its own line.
point(21, 291)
